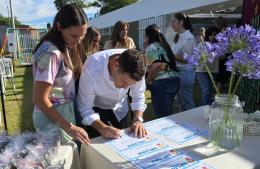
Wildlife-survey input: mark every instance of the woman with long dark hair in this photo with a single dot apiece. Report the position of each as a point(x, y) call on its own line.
point(162, 78)
point(57, 63)
point(183, 43)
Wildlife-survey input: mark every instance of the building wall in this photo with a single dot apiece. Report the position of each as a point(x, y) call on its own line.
point(133, 32)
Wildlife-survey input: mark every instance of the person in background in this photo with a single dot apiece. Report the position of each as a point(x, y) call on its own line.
point(221, 23)
point(106, 78)
point(170, 34)
point(162, 78)
point(91, 41)
point(152, 26)
point(183, 43)
point(56, 65)
point(206, 88)
point(223, 75)
point(90, 45)
point(119, 37)
point(101, 46)
point(201, 35)
point(48, 27)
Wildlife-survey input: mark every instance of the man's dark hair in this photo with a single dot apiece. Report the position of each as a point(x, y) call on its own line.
point(132, 62)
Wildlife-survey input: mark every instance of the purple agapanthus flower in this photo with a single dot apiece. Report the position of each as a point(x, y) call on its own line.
point(234, 39)
point(204, 52)
point(245, 63)
point(193, 58)
point(243, 46)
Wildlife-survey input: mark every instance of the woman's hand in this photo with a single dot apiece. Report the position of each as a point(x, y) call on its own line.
point(78, 133)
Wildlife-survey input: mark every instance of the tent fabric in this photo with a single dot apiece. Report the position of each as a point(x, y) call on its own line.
point(144, 9)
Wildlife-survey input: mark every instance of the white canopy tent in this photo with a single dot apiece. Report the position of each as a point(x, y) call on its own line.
point(144, 9)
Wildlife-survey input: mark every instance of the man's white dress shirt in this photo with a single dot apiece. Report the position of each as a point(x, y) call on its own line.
point(97, 89)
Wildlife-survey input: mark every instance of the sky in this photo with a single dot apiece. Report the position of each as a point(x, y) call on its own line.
point(36, 13)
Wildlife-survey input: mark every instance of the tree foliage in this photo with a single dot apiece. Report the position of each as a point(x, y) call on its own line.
point(60, 3)
point(5, 20)
point(110, 5)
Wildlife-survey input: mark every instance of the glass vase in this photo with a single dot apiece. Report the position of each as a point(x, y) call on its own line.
point(225, 122)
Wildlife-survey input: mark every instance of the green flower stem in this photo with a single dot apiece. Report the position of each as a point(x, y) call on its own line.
point(211, 78)
point(226, 115)
point(231, 83)
point(238, 81)
point(228, 121)
point(230, 97)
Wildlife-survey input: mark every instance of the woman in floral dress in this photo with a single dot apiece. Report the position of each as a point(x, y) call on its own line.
point(56, 65)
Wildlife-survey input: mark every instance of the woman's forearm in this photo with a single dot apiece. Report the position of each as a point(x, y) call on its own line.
point(151, 76)
point(152, 72)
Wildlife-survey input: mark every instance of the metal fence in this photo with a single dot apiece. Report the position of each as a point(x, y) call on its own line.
point(22, 41)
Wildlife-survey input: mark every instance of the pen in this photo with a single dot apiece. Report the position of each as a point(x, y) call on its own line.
point(110, 123)
point(111, 126)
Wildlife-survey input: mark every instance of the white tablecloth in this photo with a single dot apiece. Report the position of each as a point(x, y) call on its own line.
point(100, 156)
point(67, 155)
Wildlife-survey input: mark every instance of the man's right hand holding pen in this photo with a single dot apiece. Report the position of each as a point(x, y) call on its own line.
point(106, 131)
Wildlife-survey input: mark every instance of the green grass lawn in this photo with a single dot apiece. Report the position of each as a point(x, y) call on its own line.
point(19, 107)
point(18, 103)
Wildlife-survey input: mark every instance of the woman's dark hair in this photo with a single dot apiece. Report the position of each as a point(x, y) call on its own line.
point(153, 26)
point(68, 16)
point(210, 30)
point(186, 24)
point(156, 36)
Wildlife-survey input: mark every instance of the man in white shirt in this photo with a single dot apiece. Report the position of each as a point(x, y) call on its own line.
point(102, 97)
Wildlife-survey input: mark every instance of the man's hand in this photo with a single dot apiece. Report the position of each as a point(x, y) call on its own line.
point(110, 132)
point(105, 130)
point(138, 129)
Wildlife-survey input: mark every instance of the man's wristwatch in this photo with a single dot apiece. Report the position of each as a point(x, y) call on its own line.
point(138, 118)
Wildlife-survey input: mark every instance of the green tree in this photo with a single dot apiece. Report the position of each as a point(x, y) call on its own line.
point(110, 5)
point(60, 3)
point(5, 20)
